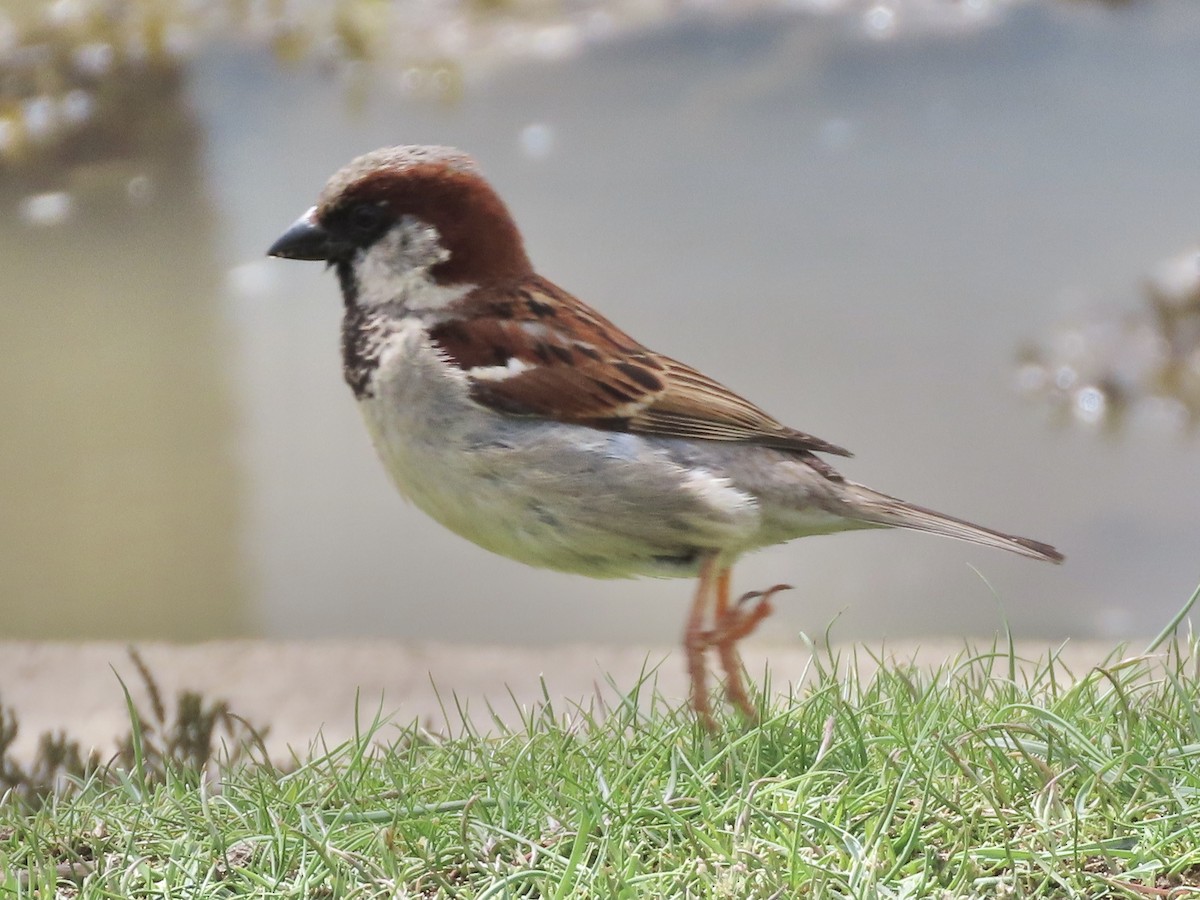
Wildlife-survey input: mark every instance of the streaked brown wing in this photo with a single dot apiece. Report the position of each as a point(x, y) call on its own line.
point(694, 405)
point(535, 350)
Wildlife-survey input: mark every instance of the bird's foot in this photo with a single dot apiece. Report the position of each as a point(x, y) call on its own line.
point(740, 620)
point(731, 625)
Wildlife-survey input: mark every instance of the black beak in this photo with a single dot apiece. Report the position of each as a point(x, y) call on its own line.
point(305, 239)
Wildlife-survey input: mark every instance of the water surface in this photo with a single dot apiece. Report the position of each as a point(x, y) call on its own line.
point(857, 234)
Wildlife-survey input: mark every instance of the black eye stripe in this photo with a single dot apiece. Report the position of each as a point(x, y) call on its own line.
point(367, 218)
point(362, 223)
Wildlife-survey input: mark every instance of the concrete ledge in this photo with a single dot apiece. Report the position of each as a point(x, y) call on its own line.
point(303, 688)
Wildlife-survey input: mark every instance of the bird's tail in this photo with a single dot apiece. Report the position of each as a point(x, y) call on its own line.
point(880, 509)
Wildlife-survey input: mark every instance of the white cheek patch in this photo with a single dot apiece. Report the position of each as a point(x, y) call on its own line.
point(395, 269)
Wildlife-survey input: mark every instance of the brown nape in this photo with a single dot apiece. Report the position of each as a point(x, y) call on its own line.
point(473, 222)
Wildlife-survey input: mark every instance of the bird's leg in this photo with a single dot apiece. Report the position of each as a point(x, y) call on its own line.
point(696, 640)
point(731, 660)
point(730, 625)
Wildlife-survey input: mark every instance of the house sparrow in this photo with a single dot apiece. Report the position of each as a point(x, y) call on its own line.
point(523, 420)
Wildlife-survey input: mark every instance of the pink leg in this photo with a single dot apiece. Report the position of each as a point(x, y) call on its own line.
point(696, 640)
point(730, 625)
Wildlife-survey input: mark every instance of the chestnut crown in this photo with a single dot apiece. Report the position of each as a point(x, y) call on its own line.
point(439, 187)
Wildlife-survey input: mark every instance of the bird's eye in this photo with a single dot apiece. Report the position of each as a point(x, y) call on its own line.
point(366, 220)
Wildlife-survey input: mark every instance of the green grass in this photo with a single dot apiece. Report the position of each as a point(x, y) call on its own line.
point(985, 777)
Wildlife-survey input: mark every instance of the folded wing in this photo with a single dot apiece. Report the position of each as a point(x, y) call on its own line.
point(534, 350)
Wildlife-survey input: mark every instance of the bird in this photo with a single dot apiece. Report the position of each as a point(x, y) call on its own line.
point(520, 418)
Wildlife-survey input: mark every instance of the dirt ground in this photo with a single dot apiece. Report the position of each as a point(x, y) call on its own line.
point(305, 689)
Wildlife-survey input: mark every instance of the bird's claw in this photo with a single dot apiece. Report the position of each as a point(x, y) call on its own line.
point(740, 620)
point(765, 595)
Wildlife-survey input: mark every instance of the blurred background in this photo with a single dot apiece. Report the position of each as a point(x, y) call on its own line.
point(956, 236)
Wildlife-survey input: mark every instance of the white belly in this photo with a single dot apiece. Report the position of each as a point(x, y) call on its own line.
point(561, 497)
